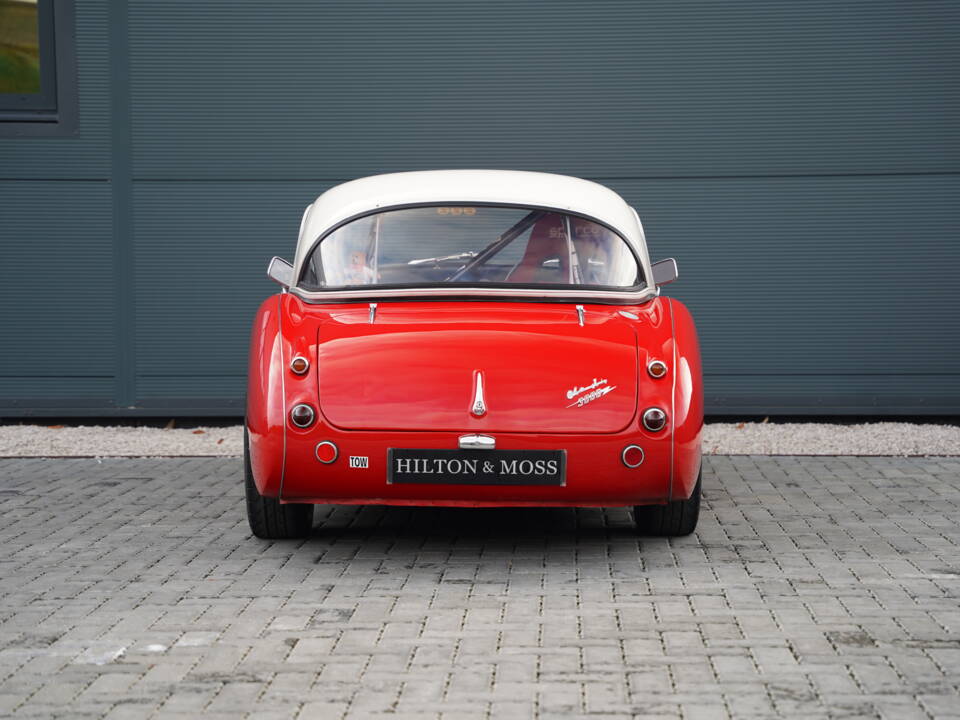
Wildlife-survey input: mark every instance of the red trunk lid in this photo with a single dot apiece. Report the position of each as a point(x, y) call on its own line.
point(415, 368)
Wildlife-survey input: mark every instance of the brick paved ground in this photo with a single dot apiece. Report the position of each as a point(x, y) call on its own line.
point(815, 587)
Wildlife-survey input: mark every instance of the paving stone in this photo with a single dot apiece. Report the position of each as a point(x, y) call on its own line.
point(813, 588)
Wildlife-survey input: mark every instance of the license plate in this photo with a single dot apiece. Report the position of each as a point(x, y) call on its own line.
point(476, 467)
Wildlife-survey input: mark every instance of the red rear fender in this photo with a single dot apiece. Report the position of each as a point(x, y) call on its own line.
point(687, 402)
point(265, 404)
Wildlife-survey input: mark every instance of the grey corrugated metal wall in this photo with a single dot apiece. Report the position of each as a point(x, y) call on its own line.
point(799, 159)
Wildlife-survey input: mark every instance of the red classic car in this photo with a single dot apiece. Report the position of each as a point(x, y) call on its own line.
point(472, 338)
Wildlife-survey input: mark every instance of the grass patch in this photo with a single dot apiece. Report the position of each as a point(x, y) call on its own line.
point(19, 48)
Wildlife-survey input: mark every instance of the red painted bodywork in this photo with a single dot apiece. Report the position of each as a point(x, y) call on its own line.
point(407, 381)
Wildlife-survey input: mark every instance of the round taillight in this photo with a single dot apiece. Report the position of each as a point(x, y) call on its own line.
point(654, 419)
point(632, 456)
point(657, 368)
point(302, 415)
point(299, 364)
point(326, 452)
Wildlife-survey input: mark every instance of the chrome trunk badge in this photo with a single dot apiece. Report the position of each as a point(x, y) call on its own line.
point(479, 407)
point(595, 390)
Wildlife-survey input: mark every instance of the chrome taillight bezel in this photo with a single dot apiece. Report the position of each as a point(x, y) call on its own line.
point(654, 419)
point(657, 369)
point(304, 422)
point(302, 362)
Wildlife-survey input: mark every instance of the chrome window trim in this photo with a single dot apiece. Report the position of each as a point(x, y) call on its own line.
point(627, 298)
point(306, 249)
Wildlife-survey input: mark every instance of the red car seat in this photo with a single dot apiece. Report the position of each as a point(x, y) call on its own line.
point(548, 241)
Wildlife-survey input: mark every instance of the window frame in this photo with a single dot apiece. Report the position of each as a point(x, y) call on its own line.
point(614, 293)
point(54, 110)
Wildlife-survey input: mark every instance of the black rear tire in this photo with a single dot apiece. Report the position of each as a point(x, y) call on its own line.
point(268, 517)
point(674, 519)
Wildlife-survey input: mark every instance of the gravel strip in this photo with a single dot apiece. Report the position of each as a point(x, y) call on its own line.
point(881, 438)
point(118, 441)
point(884, 438)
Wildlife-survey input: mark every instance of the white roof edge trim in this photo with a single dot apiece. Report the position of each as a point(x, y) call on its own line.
point(493, 187)
point(303, 222)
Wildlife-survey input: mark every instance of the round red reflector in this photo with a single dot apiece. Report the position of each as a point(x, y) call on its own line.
point(326, 452)
point(299, 365)
point(632, 456)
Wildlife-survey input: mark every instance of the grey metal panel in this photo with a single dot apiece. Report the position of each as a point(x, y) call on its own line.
point(305, 89)
point(24, 390)
point(201, 256)
point(98, 407)
point(85, 155)
point(798, 275)
point(834, 394)
point(56, 286)
point(244, 105)
point(207, 387)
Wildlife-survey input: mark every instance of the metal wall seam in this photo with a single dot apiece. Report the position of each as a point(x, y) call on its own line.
point(121, 181)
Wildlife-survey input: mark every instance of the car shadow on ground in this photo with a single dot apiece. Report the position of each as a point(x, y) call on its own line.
point(453, 526)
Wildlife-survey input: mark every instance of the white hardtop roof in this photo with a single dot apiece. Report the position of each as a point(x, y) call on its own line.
point(508, 187)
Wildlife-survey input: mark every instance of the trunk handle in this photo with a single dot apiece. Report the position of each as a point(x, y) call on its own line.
point(477, 442)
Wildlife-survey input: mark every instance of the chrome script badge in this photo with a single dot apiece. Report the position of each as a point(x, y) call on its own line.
point(593, 391)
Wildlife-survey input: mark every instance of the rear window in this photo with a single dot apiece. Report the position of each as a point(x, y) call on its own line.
point(472, 245)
